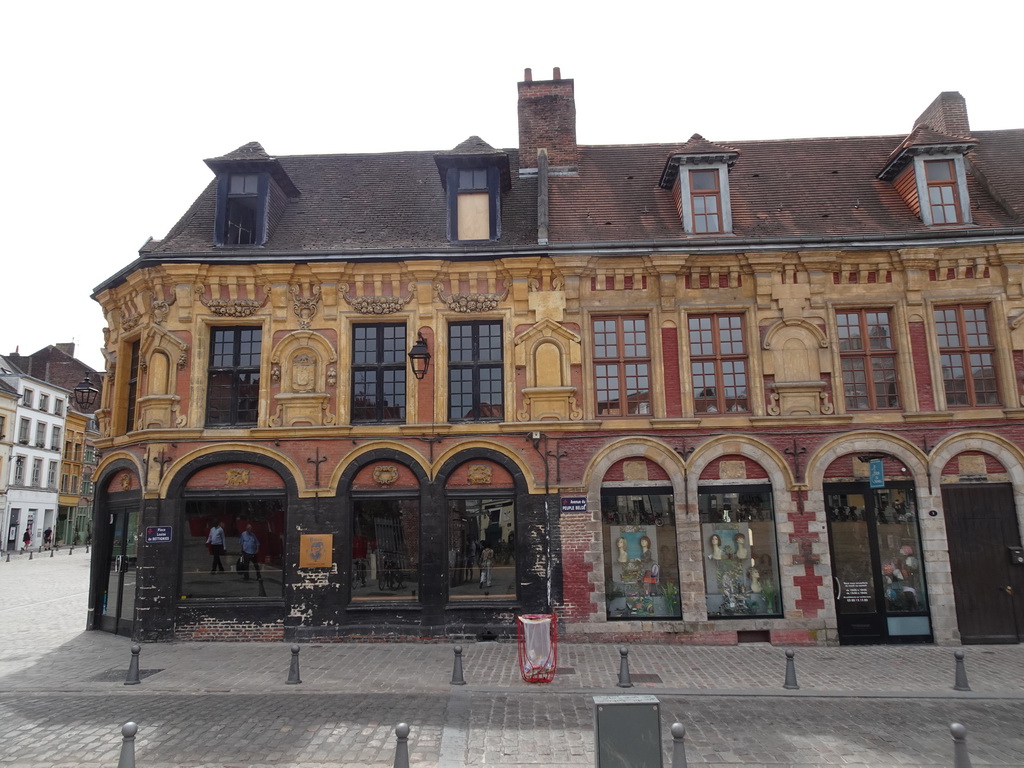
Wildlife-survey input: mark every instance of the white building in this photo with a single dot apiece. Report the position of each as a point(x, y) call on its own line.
point(32, 468)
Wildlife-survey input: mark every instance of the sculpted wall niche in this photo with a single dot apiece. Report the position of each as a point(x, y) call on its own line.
point(547, 351)
point(303, 365)
point(796, 354)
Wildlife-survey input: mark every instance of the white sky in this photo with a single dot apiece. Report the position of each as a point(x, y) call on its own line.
point(109, 108)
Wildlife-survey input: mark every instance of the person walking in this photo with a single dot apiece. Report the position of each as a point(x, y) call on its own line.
point(250, 549)
point(217, 544)
point(486, 562)
point(27, 539)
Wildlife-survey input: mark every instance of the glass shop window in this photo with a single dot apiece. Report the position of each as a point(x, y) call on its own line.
point(741, 563)
point(385, 549)
point(641, 566)
point(482, 548)
point(211, 571)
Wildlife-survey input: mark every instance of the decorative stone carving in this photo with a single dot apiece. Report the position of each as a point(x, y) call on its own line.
point(125, 481)
point(376, 305)
point(385, 474)
point(160, 308)
point(305, 307)
point(232, 307)
point(237, 477)
point(479, 474)
point(470, 302)
point(303, 373)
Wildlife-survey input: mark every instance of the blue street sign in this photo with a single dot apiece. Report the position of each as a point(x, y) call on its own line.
point(876, 473)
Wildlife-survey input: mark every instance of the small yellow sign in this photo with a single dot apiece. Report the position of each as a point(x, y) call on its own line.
point(316, 550)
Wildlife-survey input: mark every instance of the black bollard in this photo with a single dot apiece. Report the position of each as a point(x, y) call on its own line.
point(790, 683)
point(8, 557)
point(70, 550)
point(960, 683)
point(293, 668)
point(30, 554)
point(960, 757)
point(402, 747)
point(127, 757)
point(678, 747)
point(624, 681)
point(133, 667)
point(457, 678)
point(51, 552)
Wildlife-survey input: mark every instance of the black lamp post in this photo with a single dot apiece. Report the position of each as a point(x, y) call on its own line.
point(419, 356)
point(85, 394)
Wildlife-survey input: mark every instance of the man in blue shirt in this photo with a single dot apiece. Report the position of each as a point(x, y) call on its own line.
point(250, 548)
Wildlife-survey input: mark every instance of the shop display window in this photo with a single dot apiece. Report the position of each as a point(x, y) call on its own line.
point(482, 548)
point(641, 558)
point(741, 564)
point(209, 572)
point(385, 549)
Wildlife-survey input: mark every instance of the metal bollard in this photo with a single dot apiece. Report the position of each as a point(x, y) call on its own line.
point(51, 552)
point(293, 668)
point(402, 747)
point(678, 747)
point(30, 554)
point(790, 683)
point(457, 678)
point(960, 757)
point(127, 757)
point(624, 681)
point(70, 550)
point(960, 683)
point(133, 667)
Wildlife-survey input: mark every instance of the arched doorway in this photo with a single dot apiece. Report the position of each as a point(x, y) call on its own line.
point(115, 564)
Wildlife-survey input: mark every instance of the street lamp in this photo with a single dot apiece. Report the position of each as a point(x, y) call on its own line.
point(419, 356)
point(85, 394)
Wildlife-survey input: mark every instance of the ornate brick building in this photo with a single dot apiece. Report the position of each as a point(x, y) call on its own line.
point(712, 391)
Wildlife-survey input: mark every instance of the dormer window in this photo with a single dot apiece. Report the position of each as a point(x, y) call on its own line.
point(252, 192)
point(705, 201)
point(698, 175)
point(243, 210)
point(940, 177)
point(474, 175)
point(474, 197)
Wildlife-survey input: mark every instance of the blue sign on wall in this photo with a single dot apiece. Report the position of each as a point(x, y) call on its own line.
point(574, 504)
point(158, 534)
point(876, 473)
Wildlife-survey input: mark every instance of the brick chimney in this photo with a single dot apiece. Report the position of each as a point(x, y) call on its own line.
point(547, 120)
point(947, 114)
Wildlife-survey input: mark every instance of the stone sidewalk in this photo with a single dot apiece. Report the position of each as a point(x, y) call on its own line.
point(63, 698)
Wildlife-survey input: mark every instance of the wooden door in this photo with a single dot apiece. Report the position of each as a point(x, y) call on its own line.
point(981, 523)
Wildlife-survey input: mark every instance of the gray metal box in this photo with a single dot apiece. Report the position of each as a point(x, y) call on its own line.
point(627, 732)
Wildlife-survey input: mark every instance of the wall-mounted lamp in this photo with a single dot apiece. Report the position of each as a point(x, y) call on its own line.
point(419, 357)
point(85, 394)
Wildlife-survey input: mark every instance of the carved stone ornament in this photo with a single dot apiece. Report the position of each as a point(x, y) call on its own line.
point(385, 474)
point(479, 474)
point(470, 302)
point(305, 307)
point(332, 375)
point(376, 305)
point(232, 307)
point(125, 482)
point(237, 477)
point(160, 309)
point(130, 321)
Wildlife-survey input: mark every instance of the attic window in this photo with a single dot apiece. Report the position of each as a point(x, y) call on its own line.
point(241, 209)
point(704, 200)
point(943, 202)
point(473, 205)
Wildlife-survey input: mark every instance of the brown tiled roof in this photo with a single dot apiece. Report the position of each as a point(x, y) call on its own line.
point(474, 145)
point(698, 145)
point(793, 188)
point(797, 189)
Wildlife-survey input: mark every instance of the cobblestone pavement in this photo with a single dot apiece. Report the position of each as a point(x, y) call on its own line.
point(222, 705)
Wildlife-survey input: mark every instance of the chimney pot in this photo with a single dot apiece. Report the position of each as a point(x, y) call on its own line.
point(528, 75)
point(557, 75)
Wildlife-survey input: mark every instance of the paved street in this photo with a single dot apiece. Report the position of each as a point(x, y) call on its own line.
point(206, 705)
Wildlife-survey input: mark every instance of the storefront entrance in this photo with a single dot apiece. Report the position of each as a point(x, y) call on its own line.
point(115, 602)
point(984, 552)
point(877, 569)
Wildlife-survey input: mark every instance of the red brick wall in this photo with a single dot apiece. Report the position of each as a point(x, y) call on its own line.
point(754, 470)
point(922, 370)
point(216, 477)
point(673, 393)
point(578, 601)
point(547, 119)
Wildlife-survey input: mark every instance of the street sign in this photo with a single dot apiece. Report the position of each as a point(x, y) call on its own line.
point(158, 534)
point(574, 504)
point(876, 473)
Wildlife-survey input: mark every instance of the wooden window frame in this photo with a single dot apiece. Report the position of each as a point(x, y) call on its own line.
point(950, 184)
point(977, 355)
point(621, 367)
point(242, 378)
point(474, 371)
point(703, 196)
point(131, 387)
point(875, 362)
point(382, 369)
point(721, 366)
